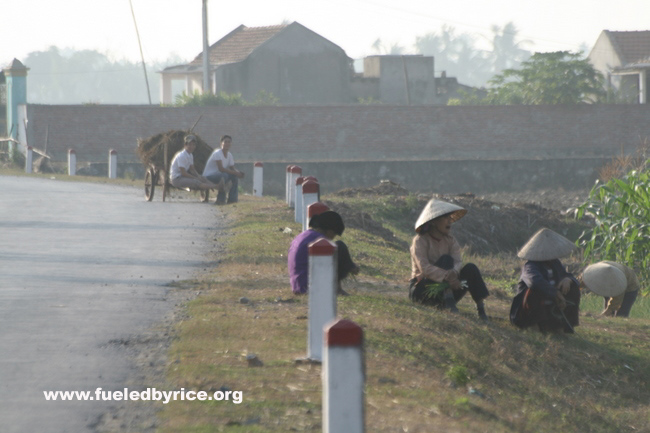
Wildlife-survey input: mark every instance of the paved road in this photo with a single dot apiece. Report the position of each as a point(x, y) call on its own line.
point(83, 266)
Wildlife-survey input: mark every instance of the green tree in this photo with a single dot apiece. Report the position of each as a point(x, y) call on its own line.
point(392, 49)
point(507, 51)
point(559, 77)
point(458, 55)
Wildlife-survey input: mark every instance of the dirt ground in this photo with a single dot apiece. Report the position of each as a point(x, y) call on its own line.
point(494, 223)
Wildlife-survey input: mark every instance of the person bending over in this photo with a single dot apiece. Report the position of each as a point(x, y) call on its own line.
point(616, 283)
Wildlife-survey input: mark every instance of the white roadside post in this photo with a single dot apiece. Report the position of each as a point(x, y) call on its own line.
point(72, 162)
point(312, 178)
point(258, 176)
point(298, 209)
point(296, 172)
point(112, 164)
point(343, 377)
point(322, 294)
point(286, 185)
point(29, 159)
point(310, 191)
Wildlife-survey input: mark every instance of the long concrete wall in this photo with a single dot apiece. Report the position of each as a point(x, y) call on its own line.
point(455, 143)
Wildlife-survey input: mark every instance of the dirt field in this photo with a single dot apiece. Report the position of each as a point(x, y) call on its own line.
point(494, 223)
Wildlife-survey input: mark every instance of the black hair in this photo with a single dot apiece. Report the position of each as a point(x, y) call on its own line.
point(328, 220)
point(224, 137)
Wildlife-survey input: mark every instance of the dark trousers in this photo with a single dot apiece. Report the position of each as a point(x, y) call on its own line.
point(345, 263)
point(531, 307)
point(626, 306)
point(233, 193)
point(469, 273)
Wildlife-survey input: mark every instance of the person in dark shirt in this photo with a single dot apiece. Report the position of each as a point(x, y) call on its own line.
point(548, 296)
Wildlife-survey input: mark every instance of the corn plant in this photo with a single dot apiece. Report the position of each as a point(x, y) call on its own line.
point(621, 212)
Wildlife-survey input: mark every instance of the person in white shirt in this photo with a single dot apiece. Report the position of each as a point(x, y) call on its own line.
point(182, 173)
point(220, 169)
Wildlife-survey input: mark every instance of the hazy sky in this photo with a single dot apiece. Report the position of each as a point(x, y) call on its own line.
point(174, 26)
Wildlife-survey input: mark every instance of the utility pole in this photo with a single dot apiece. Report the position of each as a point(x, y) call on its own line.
point(144, 67)
point(206, 49)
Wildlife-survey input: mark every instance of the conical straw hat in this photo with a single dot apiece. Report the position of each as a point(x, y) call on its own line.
point(604, 279)
point(546, 245)
point(436, 208)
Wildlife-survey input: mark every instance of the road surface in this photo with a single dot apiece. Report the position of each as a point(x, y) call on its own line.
point(84, 268)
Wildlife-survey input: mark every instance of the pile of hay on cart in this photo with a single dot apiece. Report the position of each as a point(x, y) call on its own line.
point(152, 150)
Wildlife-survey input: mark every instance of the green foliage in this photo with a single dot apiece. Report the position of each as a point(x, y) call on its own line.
point(368, 101)
point(264, 98)
point(436, 290)
point(560, 77)
point(473, 97)
point(621, 209)
point(198, 99)
point(458, 374)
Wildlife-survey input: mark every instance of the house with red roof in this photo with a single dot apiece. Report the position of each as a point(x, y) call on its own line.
point(624, 60)
point(293, 63)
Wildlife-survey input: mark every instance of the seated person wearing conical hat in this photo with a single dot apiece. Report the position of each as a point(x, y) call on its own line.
point(548, 295)
point(328, 224)
point(438, 276)
point(617, 283)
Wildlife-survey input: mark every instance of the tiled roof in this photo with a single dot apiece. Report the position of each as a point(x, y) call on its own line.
point(631, 46)
point(238, 44)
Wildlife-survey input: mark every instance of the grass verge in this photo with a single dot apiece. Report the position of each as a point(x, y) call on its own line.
point(426, 370)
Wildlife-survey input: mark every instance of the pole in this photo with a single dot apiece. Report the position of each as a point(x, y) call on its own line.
point(137, 33)
point(72, 162)
point(298, 208)
point(29, 159)
point(310, 193)
point(296, 172)
point(322, 294)
point(112, 164)
point(258, 179)
point(343, 378)
point(206, 49)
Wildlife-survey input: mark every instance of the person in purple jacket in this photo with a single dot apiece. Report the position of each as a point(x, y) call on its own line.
point(328, 224)
point(548, 295)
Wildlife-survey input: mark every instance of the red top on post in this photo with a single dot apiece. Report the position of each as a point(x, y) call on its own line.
point(258, 164)
point(343, 333)
point(322, 247)
point(296, 169)
point(300, 180)
point(316, 209)
point(113, 152)
point(289, 168)
point(310, 187)
point(311, 178)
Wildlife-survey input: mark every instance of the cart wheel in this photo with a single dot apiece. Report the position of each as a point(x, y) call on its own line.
point(149, 184)
point(205, 195)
